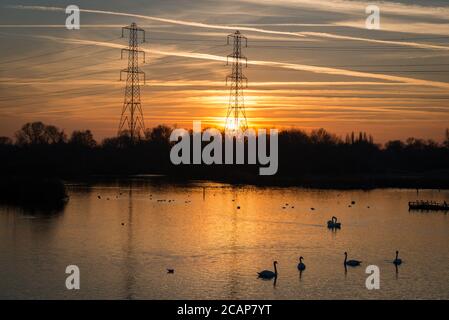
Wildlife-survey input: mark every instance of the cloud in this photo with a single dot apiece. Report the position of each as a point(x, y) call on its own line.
point(358, 7)
point(243, 28)
point(283, 65)
point(402, 43)
point(172, 21)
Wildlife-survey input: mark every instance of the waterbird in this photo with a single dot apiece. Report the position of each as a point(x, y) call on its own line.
point(397, 261)
point(171, 271)
point(301, 265)
point(268, 274)
point(351, 263)
point(333, 224)
point(99, 197)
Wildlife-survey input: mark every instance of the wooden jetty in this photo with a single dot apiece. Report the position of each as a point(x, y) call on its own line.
point(428, 206)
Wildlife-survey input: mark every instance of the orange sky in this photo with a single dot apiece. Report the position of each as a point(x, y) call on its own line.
point(311, 65)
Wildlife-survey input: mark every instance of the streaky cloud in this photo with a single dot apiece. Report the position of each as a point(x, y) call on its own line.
point(243, 28)
point(283, 65)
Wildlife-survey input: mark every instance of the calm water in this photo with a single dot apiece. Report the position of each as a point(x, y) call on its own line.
point(217, 249)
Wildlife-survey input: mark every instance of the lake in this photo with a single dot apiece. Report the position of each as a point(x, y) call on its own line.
point(124, 234)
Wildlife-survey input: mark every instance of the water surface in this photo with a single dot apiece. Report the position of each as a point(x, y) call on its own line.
point(124, 242)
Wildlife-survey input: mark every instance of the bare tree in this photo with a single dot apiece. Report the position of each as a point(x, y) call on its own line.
point(83, 138)
point(5, 141)
point(446, 140)
point(39, 133)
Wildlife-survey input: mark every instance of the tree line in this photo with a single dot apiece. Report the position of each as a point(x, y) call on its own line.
point(47, 150)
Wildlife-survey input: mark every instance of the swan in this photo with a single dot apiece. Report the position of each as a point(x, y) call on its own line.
point(351, 263)
point(301, 266)
point(267, 274)
point(397, 261)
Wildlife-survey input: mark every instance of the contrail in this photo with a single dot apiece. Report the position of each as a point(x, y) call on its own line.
point(283, 65)
point(243, 28)
point(404, 43)
point(195, 83)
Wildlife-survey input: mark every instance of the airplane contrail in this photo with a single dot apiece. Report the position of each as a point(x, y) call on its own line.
point(171, 21)
point(404, 43)
point(283, 65)
point(243, 28)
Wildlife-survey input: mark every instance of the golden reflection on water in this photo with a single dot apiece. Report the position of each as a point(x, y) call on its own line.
point(125, 241)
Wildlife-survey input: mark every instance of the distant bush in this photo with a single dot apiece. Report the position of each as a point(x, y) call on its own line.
point(32, 191)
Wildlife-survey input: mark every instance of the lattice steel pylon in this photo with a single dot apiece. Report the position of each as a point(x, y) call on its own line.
point(236, 116)
point(131, 120)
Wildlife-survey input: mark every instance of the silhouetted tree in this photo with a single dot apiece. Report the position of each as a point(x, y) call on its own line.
point(415, 144)
point(395, 146)
point(121, 141)
point(321, 136)
point(161, 133)
point(6, 141)
point(301, 155)
point(446, 140)
point(294, 137)
point(83, 139)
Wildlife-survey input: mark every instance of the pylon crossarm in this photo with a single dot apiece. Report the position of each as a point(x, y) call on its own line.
point(121, 72)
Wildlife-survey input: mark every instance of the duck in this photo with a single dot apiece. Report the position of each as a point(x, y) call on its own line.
point(397, 261)
point(301, 265)
point(171, 271)
point(337, 225)
point(351, 263)
point(268, 274)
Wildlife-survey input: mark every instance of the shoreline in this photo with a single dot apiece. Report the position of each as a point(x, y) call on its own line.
point(336, 182)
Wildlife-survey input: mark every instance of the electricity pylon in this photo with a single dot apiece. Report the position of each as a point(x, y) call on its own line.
point(131, 120)
point(236, 115)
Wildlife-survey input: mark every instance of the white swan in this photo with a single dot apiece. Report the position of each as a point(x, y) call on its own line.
point(397, 261)
point(351, 263)
point(268, 274)
point(301, 266)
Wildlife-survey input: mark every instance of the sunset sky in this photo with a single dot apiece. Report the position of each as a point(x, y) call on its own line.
point(312, 64)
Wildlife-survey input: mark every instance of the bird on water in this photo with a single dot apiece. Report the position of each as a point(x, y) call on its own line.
point(351, 263)
point(268, 274)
